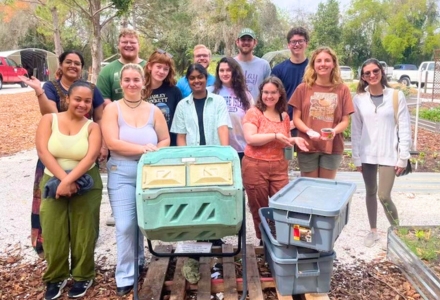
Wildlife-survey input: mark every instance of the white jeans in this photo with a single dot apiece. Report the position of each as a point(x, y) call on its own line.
point(122, 194)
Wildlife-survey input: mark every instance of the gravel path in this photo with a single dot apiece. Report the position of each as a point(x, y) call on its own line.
point(16, 196)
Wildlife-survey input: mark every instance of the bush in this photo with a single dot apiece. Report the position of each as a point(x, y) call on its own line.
point(431, 114)
point(401, 87)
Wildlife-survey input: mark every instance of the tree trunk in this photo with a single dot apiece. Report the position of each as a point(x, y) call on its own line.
point(96, 47)
point(56, 31)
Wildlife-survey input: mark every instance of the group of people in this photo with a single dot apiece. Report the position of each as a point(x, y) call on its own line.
point(139, 107)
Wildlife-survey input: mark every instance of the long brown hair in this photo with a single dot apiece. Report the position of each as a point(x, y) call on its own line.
point(281, 105)
point(363, 84)
point(238, 81)
point(310, 75)
point(158, 57)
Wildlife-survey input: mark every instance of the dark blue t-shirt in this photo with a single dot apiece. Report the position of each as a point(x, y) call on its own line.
point(166, 98)
point(291, 76)
point(51, 94)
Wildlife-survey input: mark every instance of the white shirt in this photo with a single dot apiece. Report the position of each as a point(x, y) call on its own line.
point(374, 137)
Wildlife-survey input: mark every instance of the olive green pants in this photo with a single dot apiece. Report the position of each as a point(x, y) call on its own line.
point(71, 224)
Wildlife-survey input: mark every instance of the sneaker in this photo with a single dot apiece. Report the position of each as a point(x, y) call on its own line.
point(371, 239)
point(80, 288)
point(54, 289)
point(110, 221)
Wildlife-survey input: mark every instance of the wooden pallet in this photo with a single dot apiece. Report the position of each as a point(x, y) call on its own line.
point(154, 283)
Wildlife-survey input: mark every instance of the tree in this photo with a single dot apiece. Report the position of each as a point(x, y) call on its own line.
point(327, 30)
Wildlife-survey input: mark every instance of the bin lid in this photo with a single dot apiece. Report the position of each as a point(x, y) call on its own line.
point(314, 196)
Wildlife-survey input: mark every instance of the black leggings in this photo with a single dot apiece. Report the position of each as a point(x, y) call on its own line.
point(386, 181)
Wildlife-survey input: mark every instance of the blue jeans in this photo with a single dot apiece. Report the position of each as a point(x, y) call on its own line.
point(122, 194)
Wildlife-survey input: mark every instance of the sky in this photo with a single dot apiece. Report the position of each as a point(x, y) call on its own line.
point(308, 5)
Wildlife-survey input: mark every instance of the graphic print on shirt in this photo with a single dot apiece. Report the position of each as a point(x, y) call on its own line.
point(251, 79)
point(233, 103)
point(323, 106)
point(161, 100)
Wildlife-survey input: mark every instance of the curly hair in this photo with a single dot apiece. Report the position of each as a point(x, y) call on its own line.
point(363, 84)
point(281, 105)
point(310, 74)
point(298, 31)
point(158, 57)
point(238, 82)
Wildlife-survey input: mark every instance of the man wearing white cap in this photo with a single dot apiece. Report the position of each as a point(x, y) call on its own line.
point(254, 68)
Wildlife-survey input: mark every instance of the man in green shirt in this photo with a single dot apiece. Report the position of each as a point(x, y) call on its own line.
point(108, 80)
point(109, 77)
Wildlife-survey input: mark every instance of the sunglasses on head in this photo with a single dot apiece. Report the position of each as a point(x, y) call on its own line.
point(374, 72)
point(164, 52)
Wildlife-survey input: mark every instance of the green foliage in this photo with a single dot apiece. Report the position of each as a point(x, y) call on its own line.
point(405, 89)
point(327, 30)
point(421, 242)
point(431, 114)
point(347, 132)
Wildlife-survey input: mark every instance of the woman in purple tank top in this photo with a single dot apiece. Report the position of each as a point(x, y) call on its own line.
point(132, 128)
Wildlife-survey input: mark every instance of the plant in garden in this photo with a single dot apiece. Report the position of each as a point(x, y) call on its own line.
point(431, 114)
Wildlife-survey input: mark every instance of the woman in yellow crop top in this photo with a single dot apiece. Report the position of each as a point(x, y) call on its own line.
point(68, 144)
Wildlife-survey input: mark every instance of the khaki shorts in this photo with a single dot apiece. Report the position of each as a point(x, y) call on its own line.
point(309, 162)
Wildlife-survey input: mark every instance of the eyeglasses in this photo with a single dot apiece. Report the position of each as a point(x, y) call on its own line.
point(164, 52)
point(297, 42)
point(368, 73)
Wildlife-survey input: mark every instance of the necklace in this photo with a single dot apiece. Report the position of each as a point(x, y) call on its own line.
point(137, 103)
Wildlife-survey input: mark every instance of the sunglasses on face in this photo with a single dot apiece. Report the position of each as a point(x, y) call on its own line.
point(164, 52)
point(374, 72)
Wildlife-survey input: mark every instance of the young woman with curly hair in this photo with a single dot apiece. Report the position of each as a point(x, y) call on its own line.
point(266, 129)
point(322, 101)
point(231, 85)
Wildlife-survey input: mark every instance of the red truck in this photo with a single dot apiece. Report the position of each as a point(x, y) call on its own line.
point(9, 72)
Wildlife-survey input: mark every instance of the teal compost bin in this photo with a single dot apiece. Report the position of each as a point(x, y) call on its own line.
point(189, 193)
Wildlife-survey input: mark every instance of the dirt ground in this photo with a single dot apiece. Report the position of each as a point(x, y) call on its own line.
point(20, 116)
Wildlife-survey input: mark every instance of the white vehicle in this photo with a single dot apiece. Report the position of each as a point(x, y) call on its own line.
point(346, 73)
point(388, 70)
point(408, 77)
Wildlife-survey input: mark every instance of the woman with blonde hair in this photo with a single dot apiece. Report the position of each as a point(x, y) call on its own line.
point(160, 86)
point(132, 128)
point(322, 108)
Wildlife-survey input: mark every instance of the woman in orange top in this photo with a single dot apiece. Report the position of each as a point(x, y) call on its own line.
point(266, 130)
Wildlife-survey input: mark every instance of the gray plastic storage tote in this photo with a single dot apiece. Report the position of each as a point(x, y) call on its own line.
point(311, 213)
point(300, 276)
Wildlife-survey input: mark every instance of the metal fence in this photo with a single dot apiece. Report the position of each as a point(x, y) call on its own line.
point(436, 80)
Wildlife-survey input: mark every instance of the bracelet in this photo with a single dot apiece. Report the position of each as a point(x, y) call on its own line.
point(38, 95)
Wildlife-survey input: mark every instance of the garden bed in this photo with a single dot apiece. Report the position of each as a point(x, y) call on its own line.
point(416, 250)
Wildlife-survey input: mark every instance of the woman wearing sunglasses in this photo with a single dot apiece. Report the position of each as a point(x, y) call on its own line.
point(160, 86)
point(381, 140)
point(322, 112)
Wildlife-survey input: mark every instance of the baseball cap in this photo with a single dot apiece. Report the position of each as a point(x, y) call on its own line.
point(247, 31)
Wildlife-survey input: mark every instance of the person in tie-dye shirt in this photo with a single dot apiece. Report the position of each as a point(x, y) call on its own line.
point(231, 84)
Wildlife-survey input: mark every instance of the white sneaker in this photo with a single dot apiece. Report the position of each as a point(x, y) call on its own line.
point(110, 221)
point(371, 239)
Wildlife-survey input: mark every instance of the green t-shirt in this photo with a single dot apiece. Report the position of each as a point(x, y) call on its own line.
point(109, 82)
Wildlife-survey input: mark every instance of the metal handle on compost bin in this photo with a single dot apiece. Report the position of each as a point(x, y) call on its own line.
point(297, 221)
point(308, 273)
